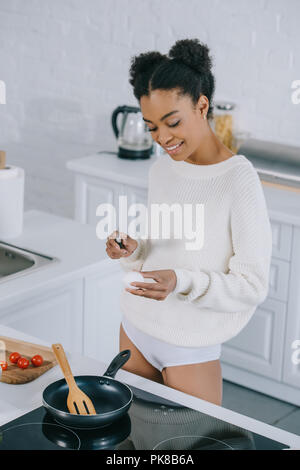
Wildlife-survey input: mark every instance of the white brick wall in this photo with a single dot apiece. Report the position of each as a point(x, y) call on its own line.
point(65, 64)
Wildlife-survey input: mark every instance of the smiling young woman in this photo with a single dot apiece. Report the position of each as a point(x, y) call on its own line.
point(175, 326)
point(177, 105)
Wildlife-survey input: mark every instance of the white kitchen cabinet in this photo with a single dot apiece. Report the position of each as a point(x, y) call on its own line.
point(259, 357)
point(54, 314)
point(279, 279)
point(83, 315)
point(263, 350)
point(291, 370)
point(259, 346)
point(282, 240)
point(89, 193)
point(135, 195)
point(102, 313)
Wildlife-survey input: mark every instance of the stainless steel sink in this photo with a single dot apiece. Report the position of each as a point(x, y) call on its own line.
point(15, 261)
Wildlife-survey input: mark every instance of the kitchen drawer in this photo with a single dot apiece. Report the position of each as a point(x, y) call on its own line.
point(282, 240)
point(279, 280)
point(259, 346)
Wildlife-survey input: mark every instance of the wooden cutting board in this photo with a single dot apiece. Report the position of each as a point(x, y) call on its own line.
point(15, 375)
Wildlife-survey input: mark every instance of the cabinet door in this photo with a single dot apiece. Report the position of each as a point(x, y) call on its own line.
point(102, 315)
point(291, 366)
point(279, 280)
point(136, 196)
point(89, 193)
point(282, 240)
point(54, 315)
point(259, 346)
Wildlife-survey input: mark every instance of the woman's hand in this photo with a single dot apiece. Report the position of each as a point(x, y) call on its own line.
point(165, 283)
point(113, 249)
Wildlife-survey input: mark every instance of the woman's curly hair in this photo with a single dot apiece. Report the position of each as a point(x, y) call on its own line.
point(187, 68)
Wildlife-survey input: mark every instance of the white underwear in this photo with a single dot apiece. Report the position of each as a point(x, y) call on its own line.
point(161, 354)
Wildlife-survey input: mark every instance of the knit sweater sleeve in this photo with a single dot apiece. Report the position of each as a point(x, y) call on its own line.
point(246, 283)
point(137, 258)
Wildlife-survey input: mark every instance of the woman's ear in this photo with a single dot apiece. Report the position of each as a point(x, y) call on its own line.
point(203, 106)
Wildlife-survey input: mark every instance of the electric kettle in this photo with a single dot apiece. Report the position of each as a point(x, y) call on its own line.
point(133, 138)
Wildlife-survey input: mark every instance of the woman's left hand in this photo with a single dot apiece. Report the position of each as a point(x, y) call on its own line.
point(165, 283)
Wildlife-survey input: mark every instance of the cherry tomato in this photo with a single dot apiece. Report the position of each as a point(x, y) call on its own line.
point(14, 357)
point(23, 363)
point(3, 365)
point(37, 360)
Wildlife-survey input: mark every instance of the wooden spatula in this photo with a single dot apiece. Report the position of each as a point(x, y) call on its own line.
point(77, 402)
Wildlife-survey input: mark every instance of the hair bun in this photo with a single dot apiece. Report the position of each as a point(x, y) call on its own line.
point(192, 53)
point(144, 63)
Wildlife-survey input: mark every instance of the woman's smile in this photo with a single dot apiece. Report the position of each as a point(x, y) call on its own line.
point(174, 148)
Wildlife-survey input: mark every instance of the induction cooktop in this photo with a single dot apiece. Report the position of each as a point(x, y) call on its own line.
point(151, 423)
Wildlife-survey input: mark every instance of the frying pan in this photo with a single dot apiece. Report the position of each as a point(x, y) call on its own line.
point(111, 398)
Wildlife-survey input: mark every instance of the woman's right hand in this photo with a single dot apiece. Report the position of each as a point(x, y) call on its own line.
point(114, 251)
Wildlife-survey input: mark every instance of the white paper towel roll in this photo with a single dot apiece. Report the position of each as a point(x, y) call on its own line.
point(11, 201)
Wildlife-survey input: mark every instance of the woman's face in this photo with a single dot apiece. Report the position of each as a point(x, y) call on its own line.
point(185, 126)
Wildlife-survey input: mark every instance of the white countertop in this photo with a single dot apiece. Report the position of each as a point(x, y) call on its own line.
point(75, 245)
point(283, 205)
point(111, 167)
point(16, 400)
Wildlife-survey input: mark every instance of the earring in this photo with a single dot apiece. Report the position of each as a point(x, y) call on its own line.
point(204, 117)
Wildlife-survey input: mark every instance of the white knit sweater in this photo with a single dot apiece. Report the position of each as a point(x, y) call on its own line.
point(220, 285)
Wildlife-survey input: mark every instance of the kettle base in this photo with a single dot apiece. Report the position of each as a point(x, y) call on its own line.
point(134, 154)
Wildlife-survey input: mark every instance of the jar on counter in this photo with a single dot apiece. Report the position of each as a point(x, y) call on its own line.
point(223, 123)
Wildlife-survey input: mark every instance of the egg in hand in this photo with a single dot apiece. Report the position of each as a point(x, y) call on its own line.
point(134, 276)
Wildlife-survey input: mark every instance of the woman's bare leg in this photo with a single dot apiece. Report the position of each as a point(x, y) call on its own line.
point(137, 364)
point(202, 380)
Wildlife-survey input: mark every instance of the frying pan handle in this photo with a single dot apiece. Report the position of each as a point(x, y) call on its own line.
point(117, 363)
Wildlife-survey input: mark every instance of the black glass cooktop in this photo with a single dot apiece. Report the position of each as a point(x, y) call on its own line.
point(151, 423)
